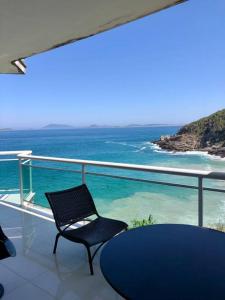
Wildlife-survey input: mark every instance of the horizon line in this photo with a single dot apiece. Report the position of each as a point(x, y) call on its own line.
point(71, 127)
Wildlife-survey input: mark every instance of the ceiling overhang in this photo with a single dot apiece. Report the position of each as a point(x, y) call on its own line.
point(29, 27)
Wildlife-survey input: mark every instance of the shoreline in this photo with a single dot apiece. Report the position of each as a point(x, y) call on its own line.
point(205, 135)
point(200, 152)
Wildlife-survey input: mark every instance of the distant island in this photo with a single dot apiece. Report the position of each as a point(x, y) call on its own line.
point(206, 134)
point(5, 129)
point(129, 125)
point(57, 126)
point(65, 126)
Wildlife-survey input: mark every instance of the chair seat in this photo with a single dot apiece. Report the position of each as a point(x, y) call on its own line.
point(97, 231)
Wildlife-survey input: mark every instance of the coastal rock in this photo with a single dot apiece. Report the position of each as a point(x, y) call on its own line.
point(206, 134)
point(219, 152)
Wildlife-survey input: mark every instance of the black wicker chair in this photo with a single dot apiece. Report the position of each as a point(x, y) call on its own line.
point(76, 204)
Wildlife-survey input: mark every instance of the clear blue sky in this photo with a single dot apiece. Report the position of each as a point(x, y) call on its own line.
point(165, 68)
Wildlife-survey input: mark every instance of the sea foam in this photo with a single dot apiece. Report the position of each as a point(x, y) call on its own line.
point(158, 149)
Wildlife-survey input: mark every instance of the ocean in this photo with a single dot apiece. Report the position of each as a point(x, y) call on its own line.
point(115, 197)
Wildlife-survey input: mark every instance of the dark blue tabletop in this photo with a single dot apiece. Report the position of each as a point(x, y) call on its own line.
point(166, 262)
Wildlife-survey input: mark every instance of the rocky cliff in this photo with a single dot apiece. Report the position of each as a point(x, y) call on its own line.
point(206, 134)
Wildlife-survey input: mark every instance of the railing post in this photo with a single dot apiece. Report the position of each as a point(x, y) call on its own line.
point(21, 181)
point(200, 202)
point(30, 176)
point(83, 174)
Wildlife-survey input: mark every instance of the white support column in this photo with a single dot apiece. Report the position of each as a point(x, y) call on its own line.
point(21, 181)
point(30, 176)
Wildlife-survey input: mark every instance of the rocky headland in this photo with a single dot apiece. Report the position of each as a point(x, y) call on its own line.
point(206, 134)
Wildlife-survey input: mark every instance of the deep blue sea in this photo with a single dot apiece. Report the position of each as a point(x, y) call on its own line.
point(116, 198)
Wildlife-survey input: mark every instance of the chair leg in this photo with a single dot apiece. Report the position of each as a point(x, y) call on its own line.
point(90, 260)
point(56, 242)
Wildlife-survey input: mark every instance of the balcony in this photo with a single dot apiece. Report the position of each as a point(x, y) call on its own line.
point(28, 222)
point(37, 274)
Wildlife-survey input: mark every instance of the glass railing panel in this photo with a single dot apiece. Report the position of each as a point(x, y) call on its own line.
point(27, 182)
point(214, 210)
point(124, 198)
point(129, 200)
point(144, 175)
point(48, 180)
point(214, 204)
point(9, 176)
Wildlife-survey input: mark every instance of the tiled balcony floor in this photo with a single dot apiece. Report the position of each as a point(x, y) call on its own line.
point(35, 273)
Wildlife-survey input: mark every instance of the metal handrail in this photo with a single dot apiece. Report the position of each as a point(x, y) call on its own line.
point(133, 167)
point(124, 178)
point(13, 153)
point(16, 152)
point(199, 174)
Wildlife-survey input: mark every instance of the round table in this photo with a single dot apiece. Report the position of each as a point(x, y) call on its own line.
point(166, 262)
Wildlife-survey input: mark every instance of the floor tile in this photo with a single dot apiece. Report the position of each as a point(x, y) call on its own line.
point(35, 273)
point(10, 280)
point(28, 292)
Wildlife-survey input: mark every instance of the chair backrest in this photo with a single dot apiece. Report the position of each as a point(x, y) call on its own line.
point(71, 205)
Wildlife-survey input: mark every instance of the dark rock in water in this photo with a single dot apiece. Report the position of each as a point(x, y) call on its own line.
point(206, 134)
point(219, 152)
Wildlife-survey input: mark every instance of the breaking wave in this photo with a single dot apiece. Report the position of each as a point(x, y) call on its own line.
point(193, 153)
point(122, 144)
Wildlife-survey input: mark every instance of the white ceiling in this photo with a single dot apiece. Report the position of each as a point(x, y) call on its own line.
point(28, 27)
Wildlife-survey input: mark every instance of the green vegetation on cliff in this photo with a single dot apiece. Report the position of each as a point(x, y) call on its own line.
point(209, 130)
point(206, 134)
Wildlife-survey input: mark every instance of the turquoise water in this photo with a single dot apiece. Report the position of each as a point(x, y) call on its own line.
point(114, 197)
